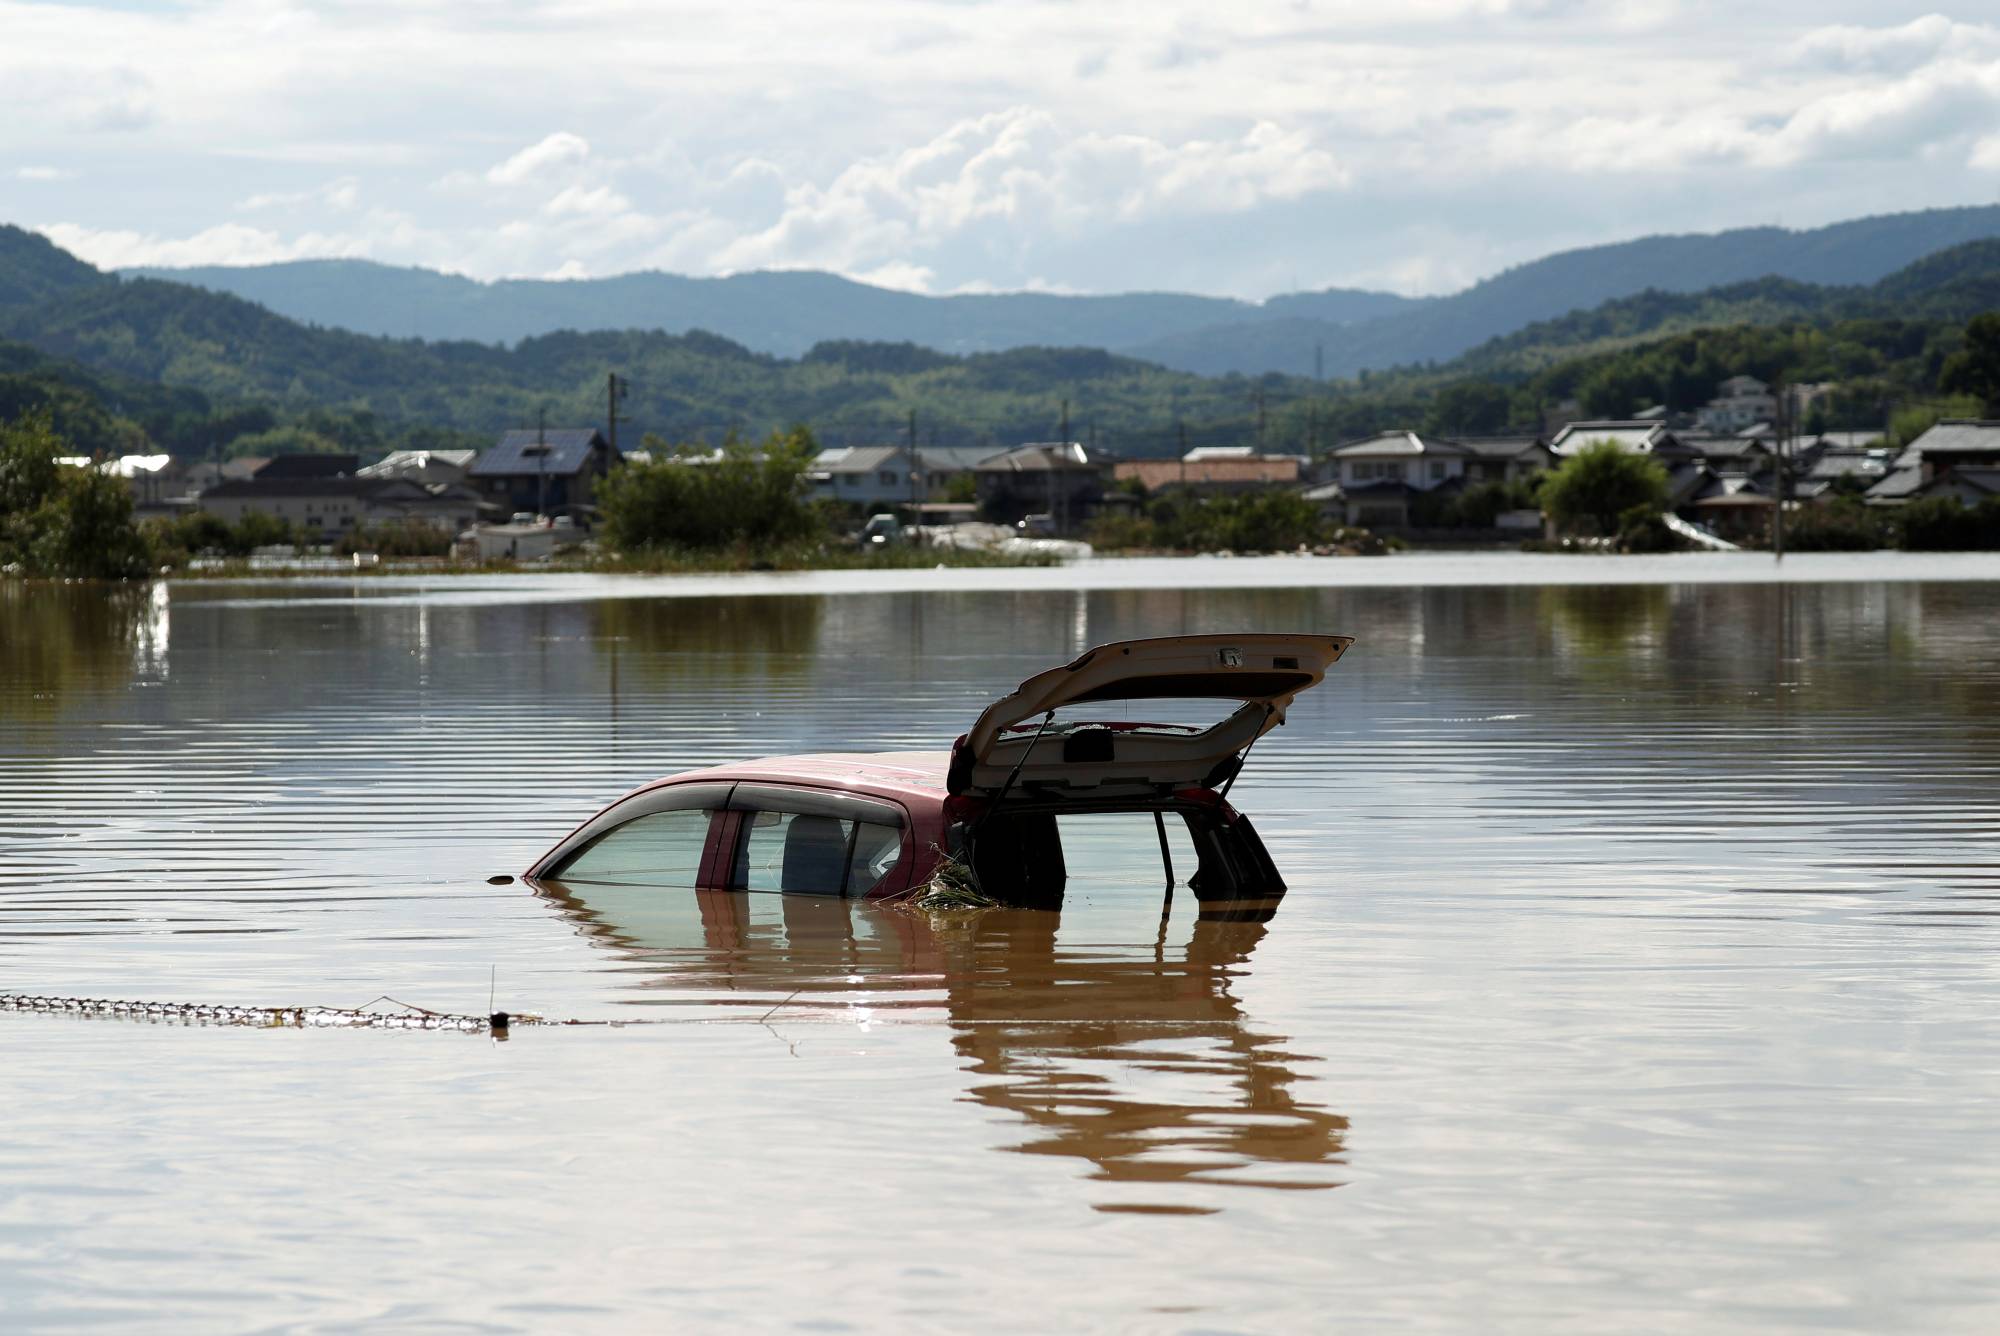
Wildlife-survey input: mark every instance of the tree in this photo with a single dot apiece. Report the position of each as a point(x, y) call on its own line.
point(1974, 370)
point(84, 530)
point(1469, 408)
point(61, 521)
point(1600, 485)
point(750, 494)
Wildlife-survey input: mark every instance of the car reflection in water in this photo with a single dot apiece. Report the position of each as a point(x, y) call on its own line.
point(1131, 1054)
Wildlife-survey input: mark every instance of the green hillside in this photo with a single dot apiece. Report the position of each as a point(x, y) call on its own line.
point(1856, 253)
point(104, 351)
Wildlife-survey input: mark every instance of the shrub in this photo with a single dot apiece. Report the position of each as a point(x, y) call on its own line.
point(749, 494)
point(1941, 524)
point(1599, 485)
point(1842, 524)
point(1270, 521)
point(1643, 529)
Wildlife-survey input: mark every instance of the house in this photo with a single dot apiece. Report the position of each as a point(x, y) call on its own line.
point(325, 508)
point(1739, 454)
point(1826, 470)
point(877, 476)
point(1061, 479)
point(1968, 484)
point(1381, 473)
point(1214, 469)
point(204, 474)
point(1505, 458)
point(1637, 437)
point(308, 464)
point(1950, 445)
point(429, 467)
point(1733, 506)
point(544, 472)
point(1739, 402)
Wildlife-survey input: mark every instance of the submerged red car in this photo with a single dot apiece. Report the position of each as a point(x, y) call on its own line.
point(877, 825)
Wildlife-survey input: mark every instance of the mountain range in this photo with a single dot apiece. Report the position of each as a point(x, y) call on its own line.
point(125, 360)
point(1335, 333)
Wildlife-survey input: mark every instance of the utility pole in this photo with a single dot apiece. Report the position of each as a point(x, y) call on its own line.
point(615, 387)
point(916, 469)
point(1260, 419)
point(1778, 466)
point(1182, 427)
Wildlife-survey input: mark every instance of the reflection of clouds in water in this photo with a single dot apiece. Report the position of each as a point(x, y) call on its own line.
point(1129, 1053)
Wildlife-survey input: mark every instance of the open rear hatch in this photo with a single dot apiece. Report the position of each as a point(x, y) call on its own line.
point(1019, 748)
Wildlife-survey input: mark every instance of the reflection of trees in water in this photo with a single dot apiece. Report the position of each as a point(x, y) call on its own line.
point(1136, 1058)
point(61, 640)
point(679, 641)
point(1620, 622)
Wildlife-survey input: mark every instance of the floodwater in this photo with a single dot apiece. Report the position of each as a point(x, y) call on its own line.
point(1638, 969)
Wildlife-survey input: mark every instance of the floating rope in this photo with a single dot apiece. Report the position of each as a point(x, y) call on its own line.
point(297, 1018)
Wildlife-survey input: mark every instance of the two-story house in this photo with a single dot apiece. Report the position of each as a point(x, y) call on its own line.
point(1379, 475)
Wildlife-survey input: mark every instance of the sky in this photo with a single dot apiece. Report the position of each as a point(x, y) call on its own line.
point(1239, 149)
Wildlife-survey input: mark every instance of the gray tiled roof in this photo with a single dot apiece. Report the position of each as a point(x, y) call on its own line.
point(1498, 447)
point(1959, 435)
point(868, 458)
point(1842, 463)
point(569, 452)
point(1898, 486)
point(1971, 477)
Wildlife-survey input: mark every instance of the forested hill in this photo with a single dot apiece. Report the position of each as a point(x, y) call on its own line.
point(786, 313)
point(1844, 254)
point(782, 313)
point(683, 386)
point(240, 372)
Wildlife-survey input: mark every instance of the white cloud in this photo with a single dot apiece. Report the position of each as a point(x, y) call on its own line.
point(1856, 50)
point(379, 232)
point(900, 275)
point(561, 149)
point(344, 193)
point(1021, 171)
point(597, 200)
point(38, 173)
point(1171, 143)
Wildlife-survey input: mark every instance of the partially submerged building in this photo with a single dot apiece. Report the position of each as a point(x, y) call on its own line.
point(1214, 470)
point(1062, 479)
point(544, 472)
point(876, 477)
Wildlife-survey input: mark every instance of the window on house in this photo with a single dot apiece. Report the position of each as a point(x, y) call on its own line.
point(886, 477)
point(1437, 470)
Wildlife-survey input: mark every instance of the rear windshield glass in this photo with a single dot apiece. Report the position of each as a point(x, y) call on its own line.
point(1171, 714)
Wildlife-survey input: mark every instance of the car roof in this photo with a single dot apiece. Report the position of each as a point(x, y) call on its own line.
point(909, 775)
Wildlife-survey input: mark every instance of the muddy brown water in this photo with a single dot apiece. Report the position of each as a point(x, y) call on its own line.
point(1638, 968)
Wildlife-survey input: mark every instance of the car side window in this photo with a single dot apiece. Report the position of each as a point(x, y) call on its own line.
point(812, 854)
point(659, 849)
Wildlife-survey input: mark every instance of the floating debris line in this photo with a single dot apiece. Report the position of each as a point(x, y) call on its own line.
point(297, 1018)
